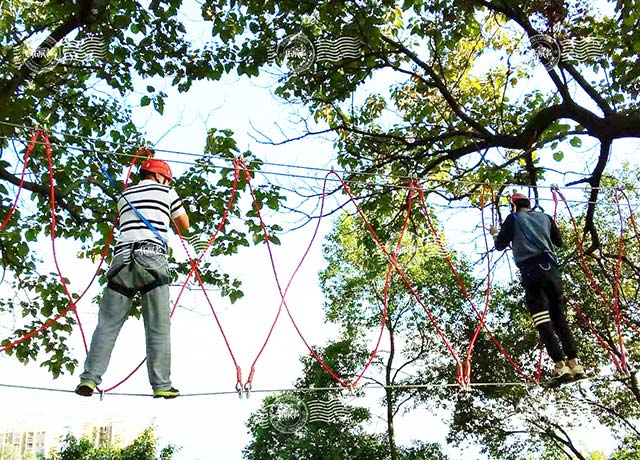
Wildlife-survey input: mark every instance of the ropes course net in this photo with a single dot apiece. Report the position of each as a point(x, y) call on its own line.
point(463, 369)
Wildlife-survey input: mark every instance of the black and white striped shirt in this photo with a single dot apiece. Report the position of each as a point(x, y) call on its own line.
point(156, 202)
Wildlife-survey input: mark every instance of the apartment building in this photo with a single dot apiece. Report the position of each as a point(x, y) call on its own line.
point(35, 443)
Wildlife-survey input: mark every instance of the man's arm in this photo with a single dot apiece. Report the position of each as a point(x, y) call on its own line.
point(179, 215)
point(182, 222)
point(505, 236)
point(556, 236)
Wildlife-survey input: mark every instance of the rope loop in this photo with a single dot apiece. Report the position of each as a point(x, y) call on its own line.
point(613, 305)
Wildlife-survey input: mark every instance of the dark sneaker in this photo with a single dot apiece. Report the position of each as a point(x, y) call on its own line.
point(560, 376)
point(166, 394)
point(578, 373)
point(85, 388)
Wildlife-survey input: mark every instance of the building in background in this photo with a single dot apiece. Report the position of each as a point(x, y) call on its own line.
point(34, 443)
point(27, 443)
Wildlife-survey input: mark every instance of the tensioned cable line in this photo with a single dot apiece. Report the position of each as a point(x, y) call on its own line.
point(318, 178)
point(308, 168)
point(366, 386)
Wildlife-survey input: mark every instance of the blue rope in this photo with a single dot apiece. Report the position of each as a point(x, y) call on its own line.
point(144, 220)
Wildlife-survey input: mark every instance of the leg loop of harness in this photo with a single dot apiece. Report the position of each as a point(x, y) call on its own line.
point(120, 289)
point(160, 281)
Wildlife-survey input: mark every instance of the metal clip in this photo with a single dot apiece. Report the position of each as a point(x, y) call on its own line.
point(465, 384)
point(351, 389)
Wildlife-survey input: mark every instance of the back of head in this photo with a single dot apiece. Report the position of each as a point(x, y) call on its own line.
point(151, 166)
point(520, 201)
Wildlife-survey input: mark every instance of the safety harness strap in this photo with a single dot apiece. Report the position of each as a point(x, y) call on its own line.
point(160, 281)
point(144, 220)
point(120, 289)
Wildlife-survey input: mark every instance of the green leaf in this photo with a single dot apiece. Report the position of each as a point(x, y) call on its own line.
point(158, 104)
point(145, 101)
point(235, 295)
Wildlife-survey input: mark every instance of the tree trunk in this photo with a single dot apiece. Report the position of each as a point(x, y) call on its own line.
point(633, 386)
point(389, 397)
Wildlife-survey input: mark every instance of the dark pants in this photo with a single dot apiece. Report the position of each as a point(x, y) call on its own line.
point(545, 301)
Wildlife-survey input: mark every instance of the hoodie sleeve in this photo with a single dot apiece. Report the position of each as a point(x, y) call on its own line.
point(505, 236)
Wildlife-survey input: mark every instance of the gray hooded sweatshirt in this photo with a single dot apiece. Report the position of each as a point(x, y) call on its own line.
point(532, 234)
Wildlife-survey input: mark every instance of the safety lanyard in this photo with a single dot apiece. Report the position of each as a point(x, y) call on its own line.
point(144, 220)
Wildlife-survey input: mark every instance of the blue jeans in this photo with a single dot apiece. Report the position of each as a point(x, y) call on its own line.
point(134, 271)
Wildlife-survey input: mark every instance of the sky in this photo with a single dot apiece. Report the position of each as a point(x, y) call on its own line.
point(214, 426)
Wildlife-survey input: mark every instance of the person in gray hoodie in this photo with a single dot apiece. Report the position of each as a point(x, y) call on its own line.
point(534, 236)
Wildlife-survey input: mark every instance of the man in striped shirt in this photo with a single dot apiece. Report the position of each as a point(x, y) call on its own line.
point(139, 266)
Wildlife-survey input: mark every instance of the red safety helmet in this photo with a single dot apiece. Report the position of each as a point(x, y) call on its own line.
point(518, 196)
point(157, 166)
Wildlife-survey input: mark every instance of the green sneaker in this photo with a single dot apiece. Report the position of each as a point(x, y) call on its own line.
point(85, 388)
point(166, 394)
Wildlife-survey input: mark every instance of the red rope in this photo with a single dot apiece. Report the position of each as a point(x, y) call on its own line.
point(283, 294)
point(193, 270)
point(52, 194)
point(53, 320)
point(579, 312)
point(615, 307)
point(25, 162)
point(487, 292)
point(631, 215)
point(616, 283)
point(72, 303)
point(387, 282)
point(466, 294)
point(593, 329)
point(459, 366)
